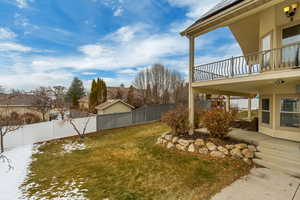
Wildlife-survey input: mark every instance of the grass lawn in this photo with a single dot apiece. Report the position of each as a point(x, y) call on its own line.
point(125, 164)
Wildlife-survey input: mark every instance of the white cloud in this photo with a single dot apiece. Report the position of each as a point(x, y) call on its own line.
point(6, 34)
point(23, 3)
point(88, 73)
point(196, 7)
point(118, 12)
point(11, 46)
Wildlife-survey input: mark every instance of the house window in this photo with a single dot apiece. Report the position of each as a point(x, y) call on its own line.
point(265, 111)
point(290, 112)
point(290, 41)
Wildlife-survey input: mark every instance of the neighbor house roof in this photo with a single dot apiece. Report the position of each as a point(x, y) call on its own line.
point(17, 100)
point(109, 103)
point(219, 7)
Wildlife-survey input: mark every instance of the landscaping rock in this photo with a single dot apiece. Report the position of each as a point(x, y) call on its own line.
point(183, 142)
point(252, 148)
point(248, 161)
point(164, 141)
point(168, 137)
point(248, 153)
point(191, 148)
point(211, 146)
point(159, 141)
point(175, 140)
point(199, 142)
point(241, 146)
point(236, 153)
point(203, 150)
point(170, 145)
point(164, 134)
point(217, 154)
point(229, 146)
point(223, 150)
point(180, 147)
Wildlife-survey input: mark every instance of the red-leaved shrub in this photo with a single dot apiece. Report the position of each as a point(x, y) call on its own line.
point(177, 120)
point(218, 122)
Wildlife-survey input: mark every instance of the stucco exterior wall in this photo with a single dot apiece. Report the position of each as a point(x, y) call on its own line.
point(275, 94)
point(115, 108)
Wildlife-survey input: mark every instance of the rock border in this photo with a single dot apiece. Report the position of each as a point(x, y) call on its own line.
point(241, 151)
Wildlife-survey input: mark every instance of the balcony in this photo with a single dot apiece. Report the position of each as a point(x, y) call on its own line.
point(286, 57)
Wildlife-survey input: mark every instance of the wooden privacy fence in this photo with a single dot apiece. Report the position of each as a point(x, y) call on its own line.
point(138, 116)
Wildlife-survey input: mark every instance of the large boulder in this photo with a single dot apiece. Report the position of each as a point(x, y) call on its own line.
point(252, 148)
point(183, 142)
point(236, 153)
point(211, 146)
point(223, 150)
point(229, 146)
point(199, 142)
point(180, 147)
point(241, 146)
point(203, 150)
point(247, 160)
point(175, 140)
point(170, 145)
point(217, 154)
point(168, 137)
point(248, 153)
point(191, 148)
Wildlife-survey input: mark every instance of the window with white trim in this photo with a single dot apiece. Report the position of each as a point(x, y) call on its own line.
point(290, 112)
point(265, 110)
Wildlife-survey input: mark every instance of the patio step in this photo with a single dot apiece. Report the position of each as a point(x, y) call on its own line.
point(295, 156)
point(276, 159)
point(293, 171)
point(285, 146)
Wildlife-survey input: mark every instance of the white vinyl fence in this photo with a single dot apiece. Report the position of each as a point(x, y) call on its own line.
point(40, 132)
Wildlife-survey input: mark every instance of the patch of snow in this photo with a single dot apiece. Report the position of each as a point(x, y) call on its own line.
point(69, 147)
point(10, 180)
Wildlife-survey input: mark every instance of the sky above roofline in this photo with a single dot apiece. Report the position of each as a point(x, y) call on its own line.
point(46, 43)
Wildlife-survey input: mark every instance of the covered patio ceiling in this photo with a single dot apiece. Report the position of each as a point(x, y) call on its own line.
point(247, 86)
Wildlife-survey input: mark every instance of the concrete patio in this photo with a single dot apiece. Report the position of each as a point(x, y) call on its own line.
point(264, 184)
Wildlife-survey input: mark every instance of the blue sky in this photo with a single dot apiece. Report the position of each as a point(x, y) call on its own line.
point(48, 42)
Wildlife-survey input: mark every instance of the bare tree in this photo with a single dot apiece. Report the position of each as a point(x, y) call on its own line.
point(160, 82)
point(43, 102)
point(4, 159)
point(9, 122)
point(59, 102)
point(80, 132)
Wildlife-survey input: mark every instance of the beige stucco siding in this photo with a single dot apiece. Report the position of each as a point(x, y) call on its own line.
point(115, 108)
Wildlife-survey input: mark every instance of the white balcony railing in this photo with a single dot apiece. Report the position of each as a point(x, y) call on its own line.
point(286, 57)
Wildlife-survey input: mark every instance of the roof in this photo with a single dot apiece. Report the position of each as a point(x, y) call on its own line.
point(109, 103)
point(17, 100)
point(219, 7)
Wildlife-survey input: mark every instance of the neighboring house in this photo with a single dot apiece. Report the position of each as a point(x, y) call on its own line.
point(19, 104)
point(112, 93)
point(268, 33)
point(113, 106)
point(84, 103)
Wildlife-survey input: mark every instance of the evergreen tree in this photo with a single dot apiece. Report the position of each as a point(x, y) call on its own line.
point(75, 92)
point(130, 95)
point(93, 96)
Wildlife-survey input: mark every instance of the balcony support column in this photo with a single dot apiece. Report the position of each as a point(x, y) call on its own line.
point(227, 103)
point(249, 109)
point(191, 78)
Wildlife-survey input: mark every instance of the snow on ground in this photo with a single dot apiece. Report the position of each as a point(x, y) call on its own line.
point(69, 147)
point(10, 180)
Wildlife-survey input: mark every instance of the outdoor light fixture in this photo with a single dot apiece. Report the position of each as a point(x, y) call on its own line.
point(290, 11)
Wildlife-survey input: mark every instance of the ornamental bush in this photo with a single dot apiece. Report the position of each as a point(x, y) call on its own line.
point(218, 122)
point(177, 120)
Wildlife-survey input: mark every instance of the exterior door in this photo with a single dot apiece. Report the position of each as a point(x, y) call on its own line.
point(266, 55)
